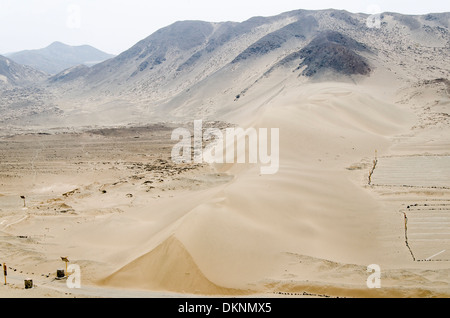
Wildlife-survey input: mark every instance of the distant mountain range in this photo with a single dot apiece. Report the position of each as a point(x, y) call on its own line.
point(59, 56)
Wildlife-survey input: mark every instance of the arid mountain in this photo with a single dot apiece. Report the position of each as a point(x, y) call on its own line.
point(195, 68)
point(58, 56)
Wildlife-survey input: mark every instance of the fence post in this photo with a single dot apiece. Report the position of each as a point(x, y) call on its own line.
point(5, 271)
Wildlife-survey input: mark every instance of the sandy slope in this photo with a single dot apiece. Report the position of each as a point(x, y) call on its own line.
point(314, 226)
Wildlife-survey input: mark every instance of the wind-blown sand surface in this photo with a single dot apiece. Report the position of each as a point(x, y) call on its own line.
point(115, 204)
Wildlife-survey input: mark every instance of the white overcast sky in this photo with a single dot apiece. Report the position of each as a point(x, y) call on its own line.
point(115, 25)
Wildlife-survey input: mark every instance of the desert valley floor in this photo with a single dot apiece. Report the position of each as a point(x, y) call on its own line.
point(113, 202)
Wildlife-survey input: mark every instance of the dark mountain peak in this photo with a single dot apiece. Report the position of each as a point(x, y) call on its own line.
point(330, 51)
point(301, 28)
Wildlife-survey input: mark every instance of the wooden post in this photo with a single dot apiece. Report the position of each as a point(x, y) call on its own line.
point(66, 260)
point(5, 271)
point(60, 273)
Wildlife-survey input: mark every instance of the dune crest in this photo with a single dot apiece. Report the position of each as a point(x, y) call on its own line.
point(168, 267)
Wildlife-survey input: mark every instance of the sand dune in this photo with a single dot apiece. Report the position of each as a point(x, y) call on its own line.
point(313, 227)
point(356, 183)
point(168, 267)
point(313, 206)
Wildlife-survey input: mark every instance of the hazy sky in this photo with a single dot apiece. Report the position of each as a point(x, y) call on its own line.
point(115, 25)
